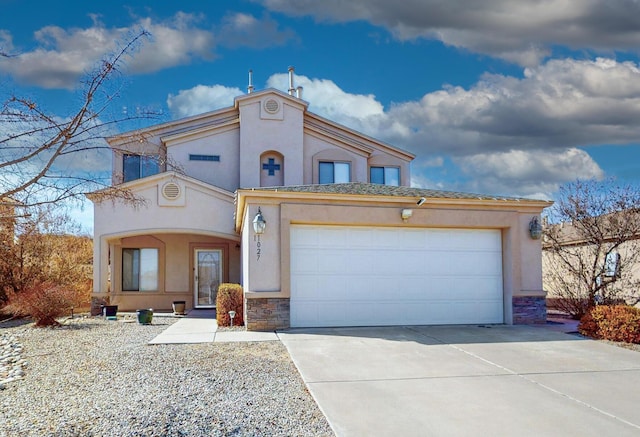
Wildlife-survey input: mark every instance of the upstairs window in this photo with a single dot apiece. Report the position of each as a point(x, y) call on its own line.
point(212, 158)
point(334, 172)
point(140, 166)
point(384, 175)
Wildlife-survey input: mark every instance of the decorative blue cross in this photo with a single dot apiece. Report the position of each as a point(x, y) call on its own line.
point(271, 166)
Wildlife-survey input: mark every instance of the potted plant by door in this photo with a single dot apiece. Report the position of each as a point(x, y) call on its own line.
point(179, 307)
point(109, 310)
point(145, 316)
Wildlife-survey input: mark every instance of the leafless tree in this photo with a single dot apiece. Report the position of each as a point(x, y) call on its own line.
point(46, 159)
point(591, 246)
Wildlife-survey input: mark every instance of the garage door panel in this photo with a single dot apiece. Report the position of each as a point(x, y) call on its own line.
point(333, 262)
point(478, 263)
point(477, 312)
point(487, 288)
point(305, 261)
point(390, 276)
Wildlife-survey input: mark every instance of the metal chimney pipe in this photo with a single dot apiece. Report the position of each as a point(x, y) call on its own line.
point(291, 88)
point(299, 92)
point(250, 87)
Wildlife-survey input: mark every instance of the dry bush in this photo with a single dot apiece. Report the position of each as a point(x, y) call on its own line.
point(230, 298)
point(48, 248)
point(44, 302)
point(614, 323)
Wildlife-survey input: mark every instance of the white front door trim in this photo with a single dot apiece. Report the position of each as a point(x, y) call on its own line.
point(208, 276)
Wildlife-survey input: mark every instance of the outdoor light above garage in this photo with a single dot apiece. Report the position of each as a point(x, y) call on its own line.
point(406, 214)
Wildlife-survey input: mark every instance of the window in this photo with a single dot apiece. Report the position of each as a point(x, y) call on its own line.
point(140, 166)
point(384, 175)
point(334, 172)
point(214, 158)
point(612, 265)
point(139, 269)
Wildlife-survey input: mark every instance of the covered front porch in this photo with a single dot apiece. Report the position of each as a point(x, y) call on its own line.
point(154, 269)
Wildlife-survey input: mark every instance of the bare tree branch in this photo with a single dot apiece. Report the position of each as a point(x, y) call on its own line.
point(590, 224)
point(38, 150)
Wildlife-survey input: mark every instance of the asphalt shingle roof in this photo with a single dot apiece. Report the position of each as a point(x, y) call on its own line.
point(384, 190)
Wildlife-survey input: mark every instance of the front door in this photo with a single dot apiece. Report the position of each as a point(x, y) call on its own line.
point(208, 276)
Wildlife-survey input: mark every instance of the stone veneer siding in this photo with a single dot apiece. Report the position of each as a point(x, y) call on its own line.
point(267, 314)
point(529, 309)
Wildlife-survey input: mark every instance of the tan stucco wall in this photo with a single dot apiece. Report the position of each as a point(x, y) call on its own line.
point(630, 272)
point(260, 132)
point(176, 267)
point(202, 219)
point(522, 272)
point(224, 143)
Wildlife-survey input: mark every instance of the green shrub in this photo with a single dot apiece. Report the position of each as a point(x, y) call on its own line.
point(44, 302)
point(614, 323)
point(230, 298)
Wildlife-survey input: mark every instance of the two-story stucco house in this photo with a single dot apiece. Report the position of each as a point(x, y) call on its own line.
point(346, 240)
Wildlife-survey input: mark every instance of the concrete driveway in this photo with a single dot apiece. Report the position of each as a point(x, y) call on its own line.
point(468, 381)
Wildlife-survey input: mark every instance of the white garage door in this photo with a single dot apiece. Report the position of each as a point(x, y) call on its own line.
point(357, 276)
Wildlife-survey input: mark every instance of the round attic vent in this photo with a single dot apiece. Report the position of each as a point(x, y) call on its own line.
point(271, 106)
point(171, 190)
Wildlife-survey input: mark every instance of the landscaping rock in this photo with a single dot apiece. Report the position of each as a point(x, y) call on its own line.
point(95, 377)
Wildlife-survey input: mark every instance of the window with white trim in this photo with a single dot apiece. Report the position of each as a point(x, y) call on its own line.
point(140, 269)
point(334, 172)
point(612, 265)
point(384, 175)
point(140, 166)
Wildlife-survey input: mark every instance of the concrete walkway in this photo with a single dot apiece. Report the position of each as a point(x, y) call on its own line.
point(468, 381)
point(200, 326)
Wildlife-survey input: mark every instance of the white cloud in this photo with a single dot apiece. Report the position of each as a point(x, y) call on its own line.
point(63, 55)
point(239, 29)
point(200, 99)
point(563, 103)
point(521, 32)
point(327, 99)
point(177, 41)
point(527, 173)
point(507, 135)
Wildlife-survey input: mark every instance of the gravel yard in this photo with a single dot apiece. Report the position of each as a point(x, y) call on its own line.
point(93, 377)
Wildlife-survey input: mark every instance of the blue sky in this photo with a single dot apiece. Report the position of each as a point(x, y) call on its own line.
point(497, 96)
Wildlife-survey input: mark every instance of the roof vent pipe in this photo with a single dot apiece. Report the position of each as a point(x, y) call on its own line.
point(291, 88)
point(250, 87)
point(299, 92)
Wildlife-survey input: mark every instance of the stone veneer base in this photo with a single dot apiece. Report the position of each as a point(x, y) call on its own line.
point(274, 313)
point(529, 310)
point(267, 314)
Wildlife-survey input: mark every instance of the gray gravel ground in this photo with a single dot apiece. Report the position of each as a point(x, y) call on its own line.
point(99, 378)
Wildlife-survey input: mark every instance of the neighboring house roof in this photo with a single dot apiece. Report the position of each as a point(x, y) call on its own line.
point(568, 234)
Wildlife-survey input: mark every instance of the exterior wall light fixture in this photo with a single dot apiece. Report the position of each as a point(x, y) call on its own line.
point(406, 214)
point(259, 223)
point(535, 228)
